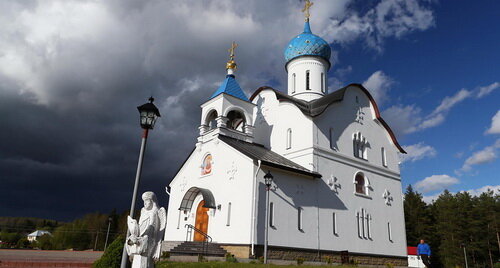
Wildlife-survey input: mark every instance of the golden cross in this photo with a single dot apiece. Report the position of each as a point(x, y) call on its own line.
point(306, 8)
point(231, 50)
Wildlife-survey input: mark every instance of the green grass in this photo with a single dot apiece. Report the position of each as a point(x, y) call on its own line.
point(218, 264)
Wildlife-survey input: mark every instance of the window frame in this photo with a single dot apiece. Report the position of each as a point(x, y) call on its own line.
point(288, 139)
point(300, 217)
point(308, 80)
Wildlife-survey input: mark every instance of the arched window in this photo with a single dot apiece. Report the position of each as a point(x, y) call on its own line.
point(289, 138)
point(360, 184)
point(293, 82)
point(307, 80)
point(211, 120)
point(236, 120)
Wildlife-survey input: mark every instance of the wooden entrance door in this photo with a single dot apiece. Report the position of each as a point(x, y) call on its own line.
point(201, 221)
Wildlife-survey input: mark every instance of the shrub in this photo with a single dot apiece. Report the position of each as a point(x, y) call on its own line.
point(300, 261)
point(165, 255)
point(328, 260)
point(261, 259)
point(112, 256)
point(230, 258)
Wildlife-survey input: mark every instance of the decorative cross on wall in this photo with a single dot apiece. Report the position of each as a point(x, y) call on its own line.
point(360, 115)
point(300, 189)
point(334, 184)
point(388, 198)
point(183, 184)
point(232, 171)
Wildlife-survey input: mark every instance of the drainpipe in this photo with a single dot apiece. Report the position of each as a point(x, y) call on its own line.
point(254, 198)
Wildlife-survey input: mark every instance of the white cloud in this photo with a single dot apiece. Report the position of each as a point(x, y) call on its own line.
point(486, 155)
point(379, 85)
point(388, 18)
point(417, 152)
point(484, 91)
point(435, 182)
point(495, 124)
point(448, 102)
point(474, 192)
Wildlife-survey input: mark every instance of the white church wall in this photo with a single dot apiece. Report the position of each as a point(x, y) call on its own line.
point(297, 71)
point(229, 182)
point(342, 119)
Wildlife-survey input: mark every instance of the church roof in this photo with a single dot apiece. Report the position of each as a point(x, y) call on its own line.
point(38, 233)
point(318, 106)
point(307, 44)
point(267, 157)
point(231, 87)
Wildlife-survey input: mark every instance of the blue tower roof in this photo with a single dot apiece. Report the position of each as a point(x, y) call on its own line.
point(231, 87)
point(307, 44)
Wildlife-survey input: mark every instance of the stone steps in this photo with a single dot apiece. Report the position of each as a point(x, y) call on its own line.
point(196, 248)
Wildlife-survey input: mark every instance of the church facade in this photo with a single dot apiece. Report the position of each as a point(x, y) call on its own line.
point(336, 187)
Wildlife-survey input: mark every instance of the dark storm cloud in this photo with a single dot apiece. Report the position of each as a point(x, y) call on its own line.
point(72, 73)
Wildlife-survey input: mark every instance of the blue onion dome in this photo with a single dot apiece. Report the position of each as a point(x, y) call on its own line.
point(307, 44)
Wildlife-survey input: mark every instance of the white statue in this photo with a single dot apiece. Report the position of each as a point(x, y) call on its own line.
point(144, 242)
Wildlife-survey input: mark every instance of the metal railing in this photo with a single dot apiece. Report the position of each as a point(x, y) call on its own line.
point(206, 241)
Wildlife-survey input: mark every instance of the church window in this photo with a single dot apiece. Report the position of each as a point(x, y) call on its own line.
point(211, 120)
point(206, 166)
point(359, 144)
point(332, 139)
point(300, 211)
point(289, 138)
point(359, 222)
point(294, 77)
point(334, 225)
point(323, 89)
point(307, 80)
point(384, 157)
point(357, 99)
point(271, 214)
point(363, 222)
point(360, 184)
point(236, 120)
point(389, 231)
point(369, 226)
point(228, 223)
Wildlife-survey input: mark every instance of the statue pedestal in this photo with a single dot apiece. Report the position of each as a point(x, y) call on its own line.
point(139, 261)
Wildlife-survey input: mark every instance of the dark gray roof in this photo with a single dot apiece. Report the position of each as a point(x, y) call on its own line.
point(267, 157)
point(318, 106)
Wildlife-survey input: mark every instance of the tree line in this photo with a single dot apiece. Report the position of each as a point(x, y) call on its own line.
point(455, 226)
point(85, 233)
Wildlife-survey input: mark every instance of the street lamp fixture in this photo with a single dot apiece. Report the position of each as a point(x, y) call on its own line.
point(148, 115)
point(268, 180)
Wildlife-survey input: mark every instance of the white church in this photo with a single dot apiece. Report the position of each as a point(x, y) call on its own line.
point(336, 190)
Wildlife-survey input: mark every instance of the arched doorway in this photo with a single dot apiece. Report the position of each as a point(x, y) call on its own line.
point(201, 221)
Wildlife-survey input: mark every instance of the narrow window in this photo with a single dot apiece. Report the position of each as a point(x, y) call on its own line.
point(299, 220)
point(289, 138)
point(360, 183)
point(271, 214)
point(293, 82)
point(307, 80)
point(363, 222)
point(369, 225)
point(334, 225)
point(332, 142)
point(322, 83)
point(384, 157)
point(357, 99)
point(358, 220)
point(355, 144)
point(228, 214)
point(389, 231)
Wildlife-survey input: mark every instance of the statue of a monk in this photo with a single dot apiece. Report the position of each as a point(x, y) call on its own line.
point(144, 242)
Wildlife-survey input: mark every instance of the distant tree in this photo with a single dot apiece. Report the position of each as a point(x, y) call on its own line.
point(10, 238)
point(23, 243)
point(112, 256)
point(44, 242)
point(417, 217)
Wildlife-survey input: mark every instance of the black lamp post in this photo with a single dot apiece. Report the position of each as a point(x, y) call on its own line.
point(268, 180)
point(148, 115)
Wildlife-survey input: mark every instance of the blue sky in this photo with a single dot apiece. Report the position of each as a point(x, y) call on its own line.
point(72, 73)
point(460, 51)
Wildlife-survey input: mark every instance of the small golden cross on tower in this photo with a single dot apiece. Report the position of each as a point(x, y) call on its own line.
point(231, 64)
point(306, 8)
point(231, 50)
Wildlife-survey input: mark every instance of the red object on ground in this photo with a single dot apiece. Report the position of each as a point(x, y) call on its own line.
point(412, 250)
